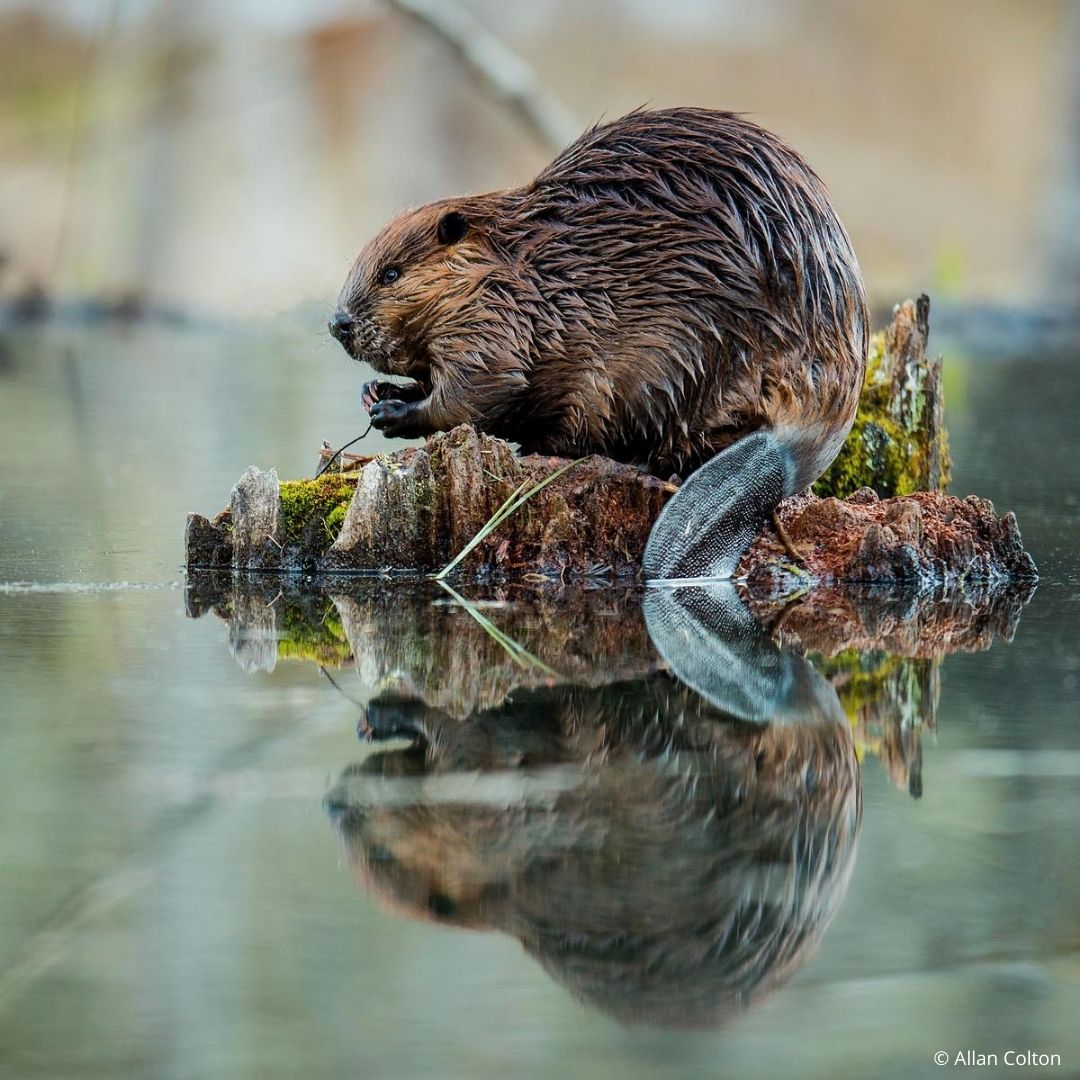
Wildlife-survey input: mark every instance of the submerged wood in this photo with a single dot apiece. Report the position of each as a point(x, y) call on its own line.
point(412, 512)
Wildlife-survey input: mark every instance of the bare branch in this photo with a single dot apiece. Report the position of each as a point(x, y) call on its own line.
point(501, 72)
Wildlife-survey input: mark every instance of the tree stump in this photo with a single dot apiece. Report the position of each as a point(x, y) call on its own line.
point(885, 520)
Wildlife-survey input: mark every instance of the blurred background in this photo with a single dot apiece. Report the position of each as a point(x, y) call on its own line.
point(231, 158)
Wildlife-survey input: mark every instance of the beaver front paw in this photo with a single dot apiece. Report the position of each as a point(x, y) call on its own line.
point(390, 417)
point(392, 716)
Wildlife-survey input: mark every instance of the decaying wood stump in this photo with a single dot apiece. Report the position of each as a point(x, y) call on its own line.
point(918, 541)
point(898, 444)
point(413, 511)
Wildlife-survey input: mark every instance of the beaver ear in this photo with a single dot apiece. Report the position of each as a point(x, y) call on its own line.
point(452, 227)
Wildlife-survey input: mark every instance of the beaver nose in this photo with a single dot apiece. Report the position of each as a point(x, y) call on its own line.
point(341, 325)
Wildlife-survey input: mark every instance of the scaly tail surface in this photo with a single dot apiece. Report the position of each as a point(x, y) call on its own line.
point(710, 521)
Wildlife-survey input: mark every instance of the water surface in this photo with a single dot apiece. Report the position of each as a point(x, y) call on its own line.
point(206, 872)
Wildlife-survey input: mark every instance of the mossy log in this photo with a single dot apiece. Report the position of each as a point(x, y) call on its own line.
point(412, 512)
point(898, 444)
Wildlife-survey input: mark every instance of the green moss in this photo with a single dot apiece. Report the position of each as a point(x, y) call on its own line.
point(335, 519)
point(321, 641)
point(878, 453)
point(860, 677)
point(882, 694)
point(322, 503)
point(862, 680)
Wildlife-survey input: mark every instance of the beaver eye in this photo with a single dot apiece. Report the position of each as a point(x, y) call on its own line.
point(389, 275)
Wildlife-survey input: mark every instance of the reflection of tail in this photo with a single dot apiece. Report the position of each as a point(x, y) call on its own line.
point(713, 645)
point(710, 521)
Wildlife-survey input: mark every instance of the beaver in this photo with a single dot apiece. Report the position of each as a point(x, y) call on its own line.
point(674, 291)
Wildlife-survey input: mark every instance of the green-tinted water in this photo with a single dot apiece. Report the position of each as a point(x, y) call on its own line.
point(177, 901)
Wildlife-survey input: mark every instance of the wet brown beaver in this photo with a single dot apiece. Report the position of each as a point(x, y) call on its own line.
point(673, 283)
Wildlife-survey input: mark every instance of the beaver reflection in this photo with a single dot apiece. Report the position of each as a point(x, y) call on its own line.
point(672, 855)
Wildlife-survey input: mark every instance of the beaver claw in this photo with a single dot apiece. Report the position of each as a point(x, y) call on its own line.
point(381, 390)
point(377, 390)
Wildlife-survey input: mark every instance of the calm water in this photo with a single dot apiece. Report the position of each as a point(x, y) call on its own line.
point(206, 873)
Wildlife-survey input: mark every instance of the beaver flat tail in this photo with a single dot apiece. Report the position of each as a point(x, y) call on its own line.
point(711, 520)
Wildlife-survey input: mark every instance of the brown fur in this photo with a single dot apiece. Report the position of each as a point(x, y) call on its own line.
point(673, 280)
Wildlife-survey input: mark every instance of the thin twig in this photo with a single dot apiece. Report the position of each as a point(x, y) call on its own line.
point(337, 686)
point(501, 72)
point(337, 453)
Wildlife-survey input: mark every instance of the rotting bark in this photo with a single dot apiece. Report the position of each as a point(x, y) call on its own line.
point(927, 539)
point(412, 512)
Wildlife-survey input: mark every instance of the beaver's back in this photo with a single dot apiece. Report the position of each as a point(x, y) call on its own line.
point(692, 283)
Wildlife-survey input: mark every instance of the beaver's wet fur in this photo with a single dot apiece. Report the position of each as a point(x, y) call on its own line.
point(672, 281)
point(670, 865)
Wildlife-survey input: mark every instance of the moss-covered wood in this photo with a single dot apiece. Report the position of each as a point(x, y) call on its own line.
point(898, 444)
point(413, 512)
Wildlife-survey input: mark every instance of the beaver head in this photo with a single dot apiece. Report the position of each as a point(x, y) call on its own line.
point(413, 286)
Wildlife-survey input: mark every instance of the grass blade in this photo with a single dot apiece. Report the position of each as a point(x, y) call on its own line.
point(516, 500)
